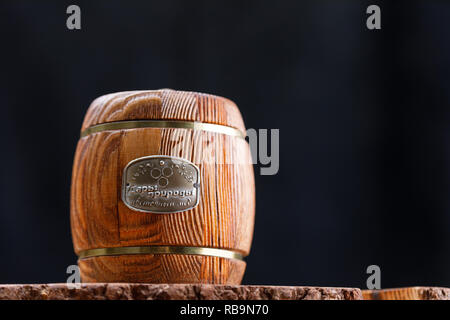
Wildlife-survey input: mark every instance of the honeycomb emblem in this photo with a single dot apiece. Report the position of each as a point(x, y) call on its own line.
point(162, 174)
point(161, 184)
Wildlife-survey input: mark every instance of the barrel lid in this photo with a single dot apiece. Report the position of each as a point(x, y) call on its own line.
point(163, 104)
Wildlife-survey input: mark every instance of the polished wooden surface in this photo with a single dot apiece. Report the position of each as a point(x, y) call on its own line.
point(223, 219)
point(409, 293)
point(164, 104)
point(162, 269)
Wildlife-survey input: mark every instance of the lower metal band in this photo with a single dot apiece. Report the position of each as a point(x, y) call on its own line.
point(177, 124)
point(200, 251)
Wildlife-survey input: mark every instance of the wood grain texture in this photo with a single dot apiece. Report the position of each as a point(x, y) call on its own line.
point(162, 269)
point(224, 217)
point(411, 293)
point(135, 291)
point(163, 104)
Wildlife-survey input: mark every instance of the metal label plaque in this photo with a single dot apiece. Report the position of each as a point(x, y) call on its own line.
point(161, 184)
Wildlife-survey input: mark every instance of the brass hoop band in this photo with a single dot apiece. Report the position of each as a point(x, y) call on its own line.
point(176, 124)
point(200, 251)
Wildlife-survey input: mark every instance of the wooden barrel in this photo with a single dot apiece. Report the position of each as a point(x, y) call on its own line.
point(162, 189)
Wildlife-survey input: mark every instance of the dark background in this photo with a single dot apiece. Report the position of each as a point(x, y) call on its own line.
point(363, 118)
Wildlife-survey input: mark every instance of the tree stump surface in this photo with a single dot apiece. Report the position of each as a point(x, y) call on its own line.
point(139, 291)
point(411, 293)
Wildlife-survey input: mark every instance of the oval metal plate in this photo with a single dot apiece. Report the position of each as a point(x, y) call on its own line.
point(161, 184)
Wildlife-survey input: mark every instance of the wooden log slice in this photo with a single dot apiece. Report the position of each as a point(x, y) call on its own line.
point(411, 293)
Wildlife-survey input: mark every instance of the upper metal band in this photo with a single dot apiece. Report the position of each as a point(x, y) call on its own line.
point(201, 251)
point(177, 124)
